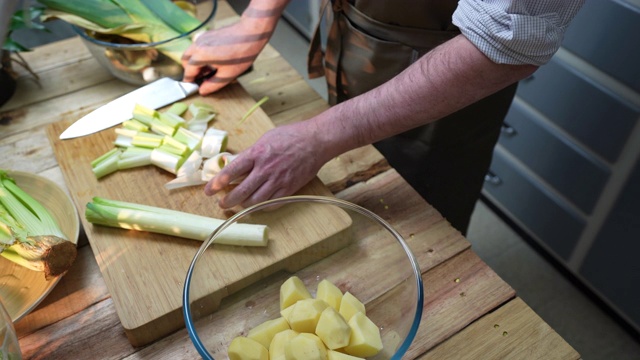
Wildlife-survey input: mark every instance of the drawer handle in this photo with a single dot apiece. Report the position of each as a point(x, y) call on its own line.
point(492, 179)
point(508, 130)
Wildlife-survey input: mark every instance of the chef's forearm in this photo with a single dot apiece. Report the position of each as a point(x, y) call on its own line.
point(450, 77)
point(265, 13)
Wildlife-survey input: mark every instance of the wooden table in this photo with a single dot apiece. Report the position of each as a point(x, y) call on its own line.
point(469, 312)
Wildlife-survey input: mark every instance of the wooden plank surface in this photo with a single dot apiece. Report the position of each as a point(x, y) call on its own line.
point(513, 331)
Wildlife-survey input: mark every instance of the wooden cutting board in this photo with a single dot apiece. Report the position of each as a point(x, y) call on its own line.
point(145, 272)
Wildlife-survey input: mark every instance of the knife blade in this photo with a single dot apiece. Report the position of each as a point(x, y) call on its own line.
point(153, 95)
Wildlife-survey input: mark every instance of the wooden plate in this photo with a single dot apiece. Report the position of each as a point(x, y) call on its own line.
point(21, 289)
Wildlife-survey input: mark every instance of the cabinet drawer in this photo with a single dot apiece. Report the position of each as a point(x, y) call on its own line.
point(534, 206)
point(586, 110)
point(576, 175)
point(611, 265)
point(606, 34)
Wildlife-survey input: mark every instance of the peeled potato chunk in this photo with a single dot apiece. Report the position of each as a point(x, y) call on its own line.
point(334, 355)
point(305, 315)
point(286, 312)
point(265, 332)
point(330, 293)
point(291, 291)
point(350, 305)
point(278, 343)
point(365, 338)
point(332, 329)
point(243, 348)
point(305, 346)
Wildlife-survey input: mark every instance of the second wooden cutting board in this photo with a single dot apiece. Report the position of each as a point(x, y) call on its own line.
point(145, 272)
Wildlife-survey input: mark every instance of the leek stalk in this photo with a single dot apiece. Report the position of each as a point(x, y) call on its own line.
point(143, 22)
point(126, 215)
point(38, 242)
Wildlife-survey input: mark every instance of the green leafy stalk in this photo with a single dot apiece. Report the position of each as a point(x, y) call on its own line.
point(172, 15)
point(139, 217)
point(105, 13)
point(126, 18)
point(38, 242)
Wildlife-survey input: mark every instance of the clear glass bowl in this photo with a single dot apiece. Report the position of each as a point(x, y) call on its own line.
point(9, 345)
point(229, 290)
point(142, 63)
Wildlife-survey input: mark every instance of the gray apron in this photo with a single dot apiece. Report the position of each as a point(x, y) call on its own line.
point(371, 41)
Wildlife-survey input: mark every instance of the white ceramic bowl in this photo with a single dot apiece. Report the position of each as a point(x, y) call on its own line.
point(342, 242)
point(22, 289)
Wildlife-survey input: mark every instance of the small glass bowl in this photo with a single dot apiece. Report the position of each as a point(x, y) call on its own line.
point(142, 63)
point(358, 251)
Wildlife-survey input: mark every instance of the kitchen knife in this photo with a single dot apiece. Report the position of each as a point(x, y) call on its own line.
point(153, 95)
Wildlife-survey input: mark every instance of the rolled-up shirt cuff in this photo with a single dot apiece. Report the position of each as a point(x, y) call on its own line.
point(516, 39)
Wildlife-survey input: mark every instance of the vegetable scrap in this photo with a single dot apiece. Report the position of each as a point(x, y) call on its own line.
point(29, 235)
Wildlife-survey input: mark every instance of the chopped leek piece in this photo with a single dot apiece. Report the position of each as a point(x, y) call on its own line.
point(188, 137)
point(108, 163)
point(166, 160)
point(131, 161)
point(104, 156)
point(139, 217)
point(136, 125)
point(185, 180)
point(212, 166)
point(147, 140)
point(201, 113)
point(190, 165)
point(213, 142)
point(173, 150)
point(170, 141)
point(178, 108)
point(172, 120)
point(159, 127)
point(134, 151)
point(124, 137)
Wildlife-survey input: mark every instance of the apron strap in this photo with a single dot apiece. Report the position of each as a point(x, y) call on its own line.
point(315, 68)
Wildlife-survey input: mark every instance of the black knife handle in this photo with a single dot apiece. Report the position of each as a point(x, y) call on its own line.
point(204, 74)
point(208, 71)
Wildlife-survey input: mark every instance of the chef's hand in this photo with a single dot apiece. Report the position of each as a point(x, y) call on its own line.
point(230, 51)
point(281, 162)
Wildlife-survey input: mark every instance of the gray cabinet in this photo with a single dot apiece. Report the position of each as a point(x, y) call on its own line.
point(566, 169)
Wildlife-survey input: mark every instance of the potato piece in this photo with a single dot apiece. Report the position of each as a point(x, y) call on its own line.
point(286, 312)
point(350, 305)
point(305, 315)
point(264, 332)
point(365, 338)
point(243, 348)
point(334, 355)
point(305, 346)
point(332, 329)
point(278, 343)
point(330, 293)
point(292, 290)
